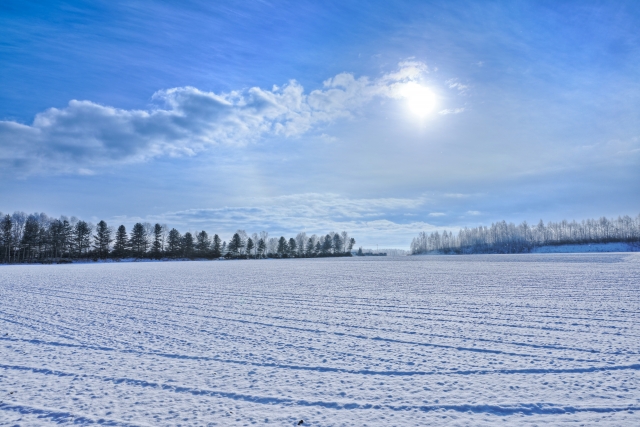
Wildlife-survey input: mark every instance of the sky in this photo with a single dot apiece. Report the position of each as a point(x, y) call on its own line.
point(379, 118)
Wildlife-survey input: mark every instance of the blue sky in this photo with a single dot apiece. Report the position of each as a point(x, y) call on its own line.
point(297, 116)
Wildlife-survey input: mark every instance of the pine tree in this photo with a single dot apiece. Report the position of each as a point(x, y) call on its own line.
point(327, 245)
point(102, 240)
point(7, 236)
point(66, 238)
point(216, 247)
point(337, 244)
point(138, 240)
point(293, 246)
point(235, 245)
point(156, 246)
point(82, 238)
point(120, 245)
point(174, 243)
point(250, 246)
point(188, 245)
point(283, 248)
point(262, 246)
point(202, 243)
point(310, 248)
point(30, 237)
point(55, 237)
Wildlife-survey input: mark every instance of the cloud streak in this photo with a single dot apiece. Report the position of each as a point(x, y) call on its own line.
point(371, 220)
point(184, 121)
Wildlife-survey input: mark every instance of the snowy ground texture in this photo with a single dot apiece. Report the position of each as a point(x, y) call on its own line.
point(593, 247)
point(530, 339)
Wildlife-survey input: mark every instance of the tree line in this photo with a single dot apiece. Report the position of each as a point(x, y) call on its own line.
point(39, 238)
point(503, 237)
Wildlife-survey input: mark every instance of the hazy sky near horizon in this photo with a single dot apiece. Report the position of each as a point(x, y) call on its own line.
point(379, 118)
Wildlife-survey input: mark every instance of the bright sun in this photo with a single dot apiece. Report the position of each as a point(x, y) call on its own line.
point(420, 99)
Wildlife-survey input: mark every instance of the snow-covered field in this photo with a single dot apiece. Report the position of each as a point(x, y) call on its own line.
point(465, 340)
point(593, 247)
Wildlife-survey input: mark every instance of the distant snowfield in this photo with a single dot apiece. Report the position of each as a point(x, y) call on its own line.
point(531, 339)
point(593, 247)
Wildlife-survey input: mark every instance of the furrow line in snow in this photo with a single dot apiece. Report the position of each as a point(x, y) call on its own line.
point(506, 409)
point(396, 332)
point(353, 327)
point(374, 307)
point(62, 417)
point(328, 369)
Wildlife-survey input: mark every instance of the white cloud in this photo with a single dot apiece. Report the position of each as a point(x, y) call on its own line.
point(473, 213)
point(435, 214)
point(455, 84)
point(185, 120)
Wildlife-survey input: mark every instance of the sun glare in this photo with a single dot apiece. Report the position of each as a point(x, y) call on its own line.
point(420, 99)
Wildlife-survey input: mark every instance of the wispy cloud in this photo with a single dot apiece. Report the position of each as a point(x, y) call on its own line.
point(310, 212)
point(455, 84)
point(186, 120)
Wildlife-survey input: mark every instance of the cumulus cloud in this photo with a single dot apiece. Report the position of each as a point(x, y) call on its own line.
point(186, 120)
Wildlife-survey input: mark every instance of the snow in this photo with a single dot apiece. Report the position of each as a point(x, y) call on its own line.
point(531, 339)
point(592, 247)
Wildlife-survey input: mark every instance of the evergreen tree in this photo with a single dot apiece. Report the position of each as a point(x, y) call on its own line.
point(120, 244)
point(310, 248)
point(30, 237)
point(283, 248)
point(66, 238)
point(188, 245)
point(56, 237)
point(262, 246)
point(174, 243)
point(138, 240)
point(293, 246)
point(53, 237)
point(82, 238)
point(337, 244)
point(235, 245)
point(7, 237)
point(202, 243)
point(27, 238)
point(216, 246)
point(102, 240)
point(327, 245)
point(250, 246)
point(156, 246)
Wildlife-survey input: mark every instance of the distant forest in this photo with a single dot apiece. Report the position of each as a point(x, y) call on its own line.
point(38, 238)
point(509, 238)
